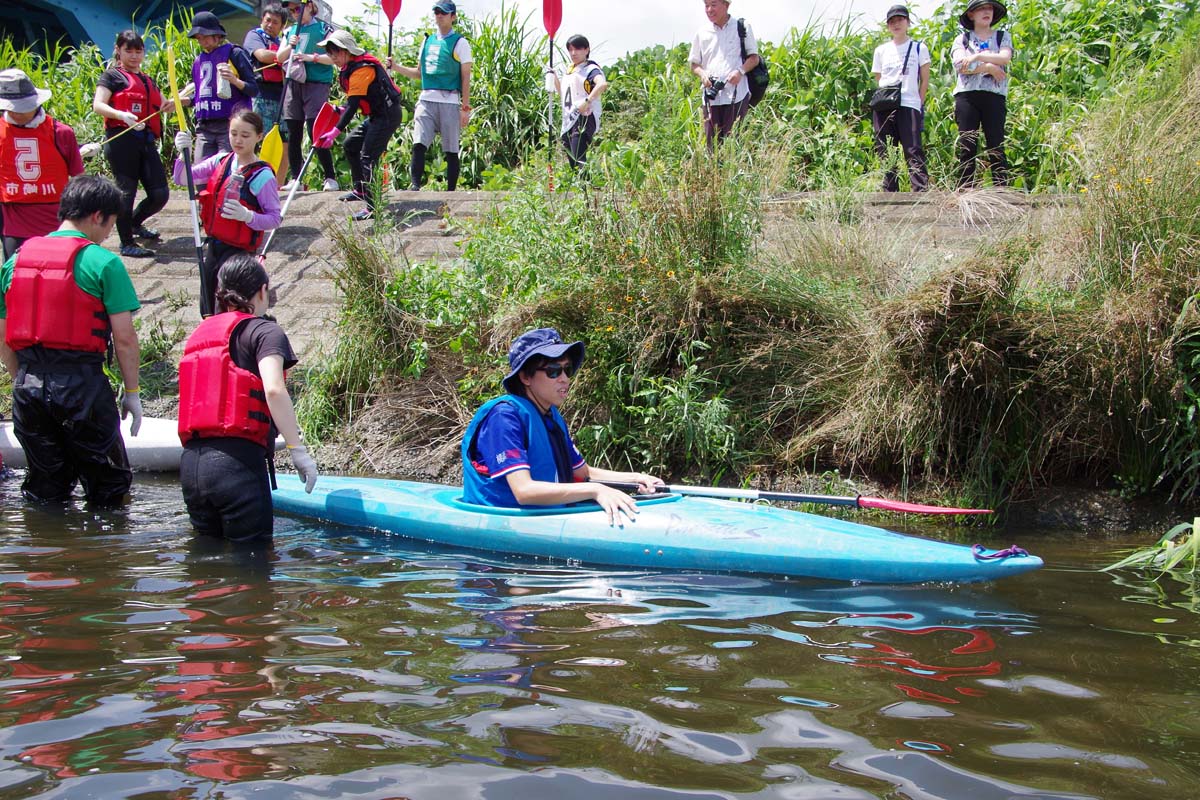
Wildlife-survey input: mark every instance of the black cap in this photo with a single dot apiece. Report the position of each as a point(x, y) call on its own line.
point(897, 11)
point(205, 23)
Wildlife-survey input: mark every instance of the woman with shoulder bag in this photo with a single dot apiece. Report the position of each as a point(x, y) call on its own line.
point(901, 69)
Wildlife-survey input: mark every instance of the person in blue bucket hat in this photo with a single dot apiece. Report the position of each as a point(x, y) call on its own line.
point(517, 450)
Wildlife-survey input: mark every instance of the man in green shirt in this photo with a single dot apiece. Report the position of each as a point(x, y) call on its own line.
point(64, 302)
point(444, 105)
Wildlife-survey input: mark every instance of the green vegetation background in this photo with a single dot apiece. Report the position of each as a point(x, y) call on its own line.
point(1066, 356)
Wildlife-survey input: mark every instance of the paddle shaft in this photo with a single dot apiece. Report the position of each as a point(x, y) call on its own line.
point(859, 501)
point(288, 202)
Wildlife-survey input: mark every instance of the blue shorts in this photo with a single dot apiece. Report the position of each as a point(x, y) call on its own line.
point(270, 111)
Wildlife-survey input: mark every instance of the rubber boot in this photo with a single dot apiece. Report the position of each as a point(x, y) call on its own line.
point(416, 169)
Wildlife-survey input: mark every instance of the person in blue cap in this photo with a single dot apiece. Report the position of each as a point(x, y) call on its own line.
point(517, 450)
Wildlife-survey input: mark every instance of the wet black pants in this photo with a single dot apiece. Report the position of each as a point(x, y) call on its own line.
point(227, 490)
point(66, 419)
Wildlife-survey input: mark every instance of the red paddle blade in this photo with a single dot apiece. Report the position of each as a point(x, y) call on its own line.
point(390, 8)
point(326, 119)
point(883, 504)
point(552, 15)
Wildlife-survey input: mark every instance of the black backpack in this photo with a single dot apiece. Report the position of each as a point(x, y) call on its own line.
point(758, 77)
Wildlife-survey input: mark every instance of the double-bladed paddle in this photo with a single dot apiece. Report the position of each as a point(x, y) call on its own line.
point(187, 159)
point(857, 501)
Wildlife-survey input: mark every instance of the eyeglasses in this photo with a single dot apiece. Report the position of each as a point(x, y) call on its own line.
point(554, 370)
point(437, 12)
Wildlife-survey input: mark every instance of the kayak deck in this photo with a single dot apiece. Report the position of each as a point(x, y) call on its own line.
point(672, 532)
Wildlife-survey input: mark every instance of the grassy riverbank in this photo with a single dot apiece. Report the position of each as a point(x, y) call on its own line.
point(1066, 356)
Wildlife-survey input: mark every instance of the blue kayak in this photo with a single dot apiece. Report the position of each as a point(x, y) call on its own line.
point(674, 532)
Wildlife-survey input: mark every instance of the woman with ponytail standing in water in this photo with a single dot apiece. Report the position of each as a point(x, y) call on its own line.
point(232, 399)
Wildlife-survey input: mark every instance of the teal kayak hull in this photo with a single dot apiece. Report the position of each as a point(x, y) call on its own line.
point(670, 533)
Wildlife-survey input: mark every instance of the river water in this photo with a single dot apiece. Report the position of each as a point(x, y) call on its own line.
point(134, 664)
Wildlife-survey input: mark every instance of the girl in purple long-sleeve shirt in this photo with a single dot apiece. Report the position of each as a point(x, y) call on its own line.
point(233, 225)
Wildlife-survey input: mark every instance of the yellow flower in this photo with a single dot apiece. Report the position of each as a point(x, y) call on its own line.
point(609, 329)
point(1147, 181)
point(610, 308)
point(628, 298)
point(1083, 190)
point(1116, 187)
point(670, 273)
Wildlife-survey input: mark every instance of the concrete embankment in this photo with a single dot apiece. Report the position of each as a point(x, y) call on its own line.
point(920, 231)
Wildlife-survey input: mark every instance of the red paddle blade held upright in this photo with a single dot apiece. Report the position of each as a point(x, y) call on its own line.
point(327, 117)
point(391, 8)
point(552, 16)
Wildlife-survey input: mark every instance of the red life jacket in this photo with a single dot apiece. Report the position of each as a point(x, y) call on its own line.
point(32, 170)
point(46, 306)
point(230, 231)
point(274, 72)
point(382, 91)
point(218, 398)
point(141, 98)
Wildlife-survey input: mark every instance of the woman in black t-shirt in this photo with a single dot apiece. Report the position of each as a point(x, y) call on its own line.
point(128, 98)
point(224, 468)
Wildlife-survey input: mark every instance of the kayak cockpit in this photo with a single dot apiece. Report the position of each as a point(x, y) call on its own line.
point(542, 511)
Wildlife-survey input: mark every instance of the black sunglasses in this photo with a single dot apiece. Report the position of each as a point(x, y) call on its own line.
point(554, 370)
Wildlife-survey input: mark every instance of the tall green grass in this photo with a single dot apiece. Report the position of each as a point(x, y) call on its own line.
point(1069, 56)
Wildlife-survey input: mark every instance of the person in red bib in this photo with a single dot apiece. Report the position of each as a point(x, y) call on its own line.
point(38, 154)
point(263, 43)
point(128, 98)
point(234, 222)
point(65, 301)
point(369, 89)
point(232, 399)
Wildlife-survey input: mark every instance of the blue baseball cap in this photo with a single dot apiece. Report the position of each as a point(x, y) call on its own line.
point(445, 6)
point(538, 342)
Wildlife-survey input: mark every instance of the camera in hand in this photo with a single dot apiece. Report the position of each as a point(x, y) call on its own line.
point(711, 92)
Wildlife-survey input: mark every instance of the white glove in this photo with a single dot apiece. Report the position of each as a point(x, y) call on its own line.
point(131, 119)
point(90, 150)
point(183, 141)
point(232, 209)
point(306, 468)
point(132, 404)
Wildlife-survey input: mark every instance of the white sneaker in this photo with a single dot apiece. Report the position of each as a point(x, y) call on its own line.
point(331, 185)
point(287, 187)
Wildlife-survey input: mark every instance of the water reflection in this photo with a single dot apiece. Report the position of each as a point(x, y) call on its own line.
point(139, 662)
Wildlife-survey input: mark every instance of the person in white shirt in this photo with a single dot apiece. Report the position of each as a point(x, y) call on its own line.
point(905, 62)
point(716, 59)
point(444, 105)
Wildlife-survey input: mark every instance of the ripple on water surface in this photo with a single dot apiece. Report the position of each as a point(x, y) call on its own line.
point(136, 662)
